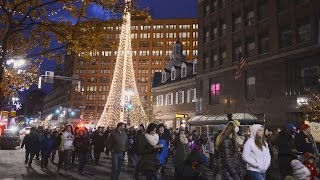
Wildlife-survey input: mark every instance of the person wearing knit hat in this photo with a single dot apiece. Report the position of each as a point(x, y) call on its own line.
point(256, 153)
point(300, 171)
point(303, 140)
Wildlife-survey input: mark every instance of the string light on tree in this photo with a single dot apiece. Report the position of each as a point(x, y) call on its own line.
point(123, 80)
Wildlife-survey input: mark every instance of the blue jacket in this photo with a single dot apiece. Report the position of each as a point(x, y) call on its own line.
point(164, 152)
point(47, 146)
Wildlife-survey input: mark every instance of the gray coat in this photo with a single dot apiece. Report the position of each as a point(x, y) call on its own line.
point(118, 142)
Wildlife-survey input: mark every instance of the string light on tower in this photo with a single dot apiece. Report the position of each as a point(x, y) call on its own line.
point(122, 82)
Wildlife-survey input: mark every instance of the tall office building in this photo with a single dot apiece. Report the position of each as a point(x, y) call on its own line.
point(152, 44)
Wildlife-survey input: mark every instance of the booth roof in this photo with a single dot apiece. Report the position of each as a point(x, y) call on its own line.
point(243, 118)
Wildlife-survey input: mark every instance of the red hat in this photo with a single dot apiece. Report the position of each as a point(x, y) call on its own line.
point(304, 127)
point(308, 156)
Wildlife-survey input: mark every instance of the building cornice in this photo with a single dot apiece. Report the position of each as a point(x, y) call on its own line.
point(175, 85)
point(262, 60)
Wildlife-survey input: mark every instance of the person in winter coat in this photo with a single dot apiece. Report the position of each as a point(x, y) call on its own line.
point(299, 171)
point(66, 148)
point(303, 140)
point(230, 161)
point(46, 149)
point(98, 142)
point(149, 147)
point(56, 137)
point(135, 151)
point(32, 145)
point(41, 135)
point(310, 163)
point(274, 171)
point(164, 142)
point(106, 134)
point(181, 150)
point(286, 149)
point(118, 144)
point(192, 168)
point(82, 148)
point(256, 153)
point(211, 143)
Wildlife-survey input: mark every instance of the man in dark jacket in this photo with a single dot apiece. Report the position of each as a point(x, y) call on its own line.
point(303, 140)
point(98, 142)
point(32, 145)
point(286, 149)
point(106, 134)
point(118, 144)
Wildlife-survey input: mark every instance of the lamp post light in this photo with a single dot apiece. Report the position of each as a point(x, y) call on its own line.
point(16, 62)
point(128, 93)
point(14, 100)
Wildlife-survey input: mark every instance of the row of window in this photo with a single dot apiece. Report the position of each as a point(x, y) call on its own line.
point(108, 71)
point(155, 27)
point(285, 40)
point(210, 6)
point(139, 53)
point(183, 71)
point(179, 98)
point(215, 90)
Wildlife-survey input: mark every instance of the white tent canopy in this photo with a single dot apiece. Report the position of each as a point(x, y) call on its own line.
point(243, 118)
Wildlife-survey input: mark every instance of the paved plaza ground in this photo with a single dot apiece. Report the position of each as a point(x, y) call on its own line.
point(12, 167)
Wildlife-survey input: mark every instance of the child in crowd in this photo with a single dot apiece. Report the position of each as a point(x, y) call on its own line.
point(46, 149)
point(310, 163)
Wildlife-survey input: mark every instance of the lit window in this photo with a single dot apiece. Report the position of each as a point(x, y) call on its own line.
point(157, 35)
point(191, 95)
point(171, 35)
point(195, 26)
point(215, 93)
point(195, 52)
point(145, 35)
point(184, 35)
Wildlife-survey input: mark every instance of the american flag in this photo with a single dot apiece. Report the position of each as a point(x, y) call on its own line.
point(242, 62)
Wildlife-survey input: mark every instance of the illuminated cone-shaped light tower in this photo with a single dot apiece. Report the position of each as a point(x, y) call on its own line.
point(123, 103)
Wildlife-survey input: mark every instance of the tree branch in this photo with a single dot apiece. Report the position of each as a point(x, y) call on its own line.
point(46, 51)
point(34, 8)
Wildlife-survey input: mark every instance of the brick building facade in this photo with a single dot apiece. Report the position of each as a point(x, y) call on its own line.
point(280, 41)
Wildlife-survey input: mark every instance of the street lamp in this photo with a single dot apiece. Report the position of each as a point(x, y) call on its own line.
point(129, 105)
point(14, 99)
point(16, 62)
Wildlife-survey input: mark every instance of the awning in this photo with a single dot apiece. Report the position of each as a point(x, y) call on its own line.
point(243, 118)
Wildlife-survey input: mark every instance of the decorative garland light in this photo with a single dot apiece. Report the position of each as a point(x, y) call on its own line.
point(122, 82)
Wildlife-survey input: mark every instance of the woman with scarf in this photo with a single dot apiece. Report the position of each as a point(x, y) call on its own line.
point(149, 148)
point(181, 151)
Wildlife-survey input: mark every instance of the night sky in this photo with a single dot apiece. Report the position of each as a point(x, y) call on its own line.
point(160, 9)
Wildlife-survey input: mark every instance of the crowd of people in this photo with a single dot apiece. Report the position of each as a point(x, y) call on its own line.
point(255, 154)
